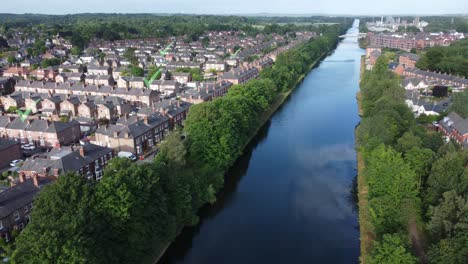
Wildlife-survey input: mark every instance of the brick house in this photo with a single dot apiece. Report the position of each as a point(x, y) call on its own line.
point(17, 203)
point(455, 127)
point(88, 160)
point(40, 132)
point(133, 134)
point(408, 59)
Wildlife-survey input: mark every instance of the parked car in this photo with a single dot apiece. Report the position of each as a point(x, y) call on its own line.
point(15, 163)
point(126, 154)
point(29, 146)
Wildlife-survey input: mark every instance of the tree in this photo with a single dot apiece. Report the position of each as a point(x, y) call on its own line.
point(11, 59)
point(60, 210)
point(449, 217)
point(76, 51)
point(447, 173)
point(391, 250)
point(449, 251)
point(407, 142)
point(392, 186)
point(137, 71)
point(129, 54)
point(460, 103)
point(420, 160)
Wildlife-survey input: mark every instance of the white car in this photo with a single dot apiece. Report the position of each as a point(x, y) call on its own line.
point(29, 146)
point(128, 155)
point(15, 163)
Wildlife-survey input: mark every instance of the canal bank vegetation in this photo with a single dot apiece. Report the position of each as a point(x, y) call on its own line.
point(135, 208)
point(415, 185)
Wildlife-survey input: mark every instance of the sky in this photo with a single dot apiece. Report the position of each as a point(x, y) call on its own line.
point(227, 7)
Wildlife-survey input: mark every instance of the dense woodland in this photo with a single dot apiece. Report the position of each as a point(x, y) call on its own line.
point(80, 29)
point(416, 182)
point(136, 209)
point(452, 59)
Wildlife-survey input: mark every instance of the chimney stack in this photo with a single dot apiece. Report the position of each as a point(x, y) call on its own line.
point(21, 177)
point(35, 180)
point(82, 152)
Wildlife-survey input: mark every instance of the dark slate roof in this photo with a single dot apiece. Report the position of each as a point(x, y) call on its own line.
point(17, 197)
point(65, 159)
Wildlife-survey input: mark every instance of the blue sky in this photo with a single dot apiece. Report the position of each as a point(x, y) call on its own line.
point(367, 7)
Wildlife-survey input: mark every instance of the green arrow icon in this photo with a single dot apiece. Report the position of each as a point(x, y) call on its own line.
point(164, 51)
point(24, 115)
point(150, 81)
point(235, 54)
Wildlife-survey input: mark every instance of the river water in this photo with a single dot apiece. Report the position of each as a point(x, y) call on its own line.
point(289, 198)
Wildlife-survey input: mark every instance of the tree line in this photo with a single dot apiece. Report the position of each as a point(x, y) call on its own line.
point(452, 59)
point(415, 179)
point(135, 210)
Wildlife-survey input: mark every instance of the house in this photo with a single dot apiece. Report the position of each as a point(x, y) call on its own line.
point(212, 65)
point(71, 68)
point(9, 150)
point(87, 110)
point(441, 78)
point(455, 127)
point(414, 83)
point(16, 205)
point(88, 161)
point(7, 85)
point(133, 134)
point(175, 110)
point(181, 77)
point(70, 77)
point(408, 59)
point(99, 80)
point(99, 70)
point(17, 72)
point(12, 101)
point(421, 106)
point(69, 106)
point(165, 87)
point(40, 132)
point(239, 75)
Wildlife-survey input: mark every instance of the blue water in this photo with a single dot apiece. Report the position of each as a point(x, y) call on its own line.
point(288, 199)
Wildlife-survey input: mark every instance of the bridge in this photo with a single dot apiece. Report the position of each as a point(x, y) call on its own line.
point(358, 35)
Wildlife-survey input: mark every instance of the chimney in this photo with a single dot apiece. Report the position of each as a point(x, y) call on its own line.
point(45, 171)
point(21, 177)
point(145, 120)
point(35, 180)
point(82, 152)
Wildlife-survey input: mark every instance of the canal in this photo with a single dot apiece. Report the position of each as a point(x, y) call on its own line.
point(289, 198)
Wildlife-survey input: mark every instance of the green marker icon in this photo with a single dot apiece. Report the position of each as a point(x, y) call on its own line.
point(24, 115)
point(164, 51)
point(148, 83)
point(235, 54)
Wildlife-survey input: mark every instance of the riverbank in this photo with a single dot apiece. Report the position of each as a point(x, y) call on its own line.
point(366, 229)
point(263, 119)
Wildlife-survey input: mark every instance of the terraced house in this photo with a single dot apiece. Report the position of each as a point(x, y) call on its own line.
point(40, 132)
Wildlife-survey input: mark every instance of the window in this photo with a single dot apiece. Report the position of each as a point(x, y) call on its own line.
point(26, 209)
point(21, 226)
point(16, 215)
point(1, 224)
point(28, 219)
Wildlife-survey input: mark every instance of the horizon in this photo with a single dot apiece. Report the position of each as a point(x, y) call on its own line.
point(241, 7)
point(261, 14)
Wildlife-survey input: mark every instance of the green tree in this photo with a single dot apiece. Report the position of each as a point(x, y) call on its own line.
point(447, 173)
point(391, 250)
point(61, 231)
point(449, 217)
point(137, 71)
